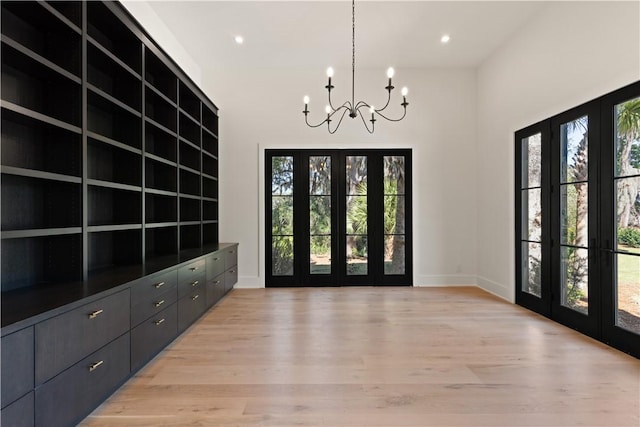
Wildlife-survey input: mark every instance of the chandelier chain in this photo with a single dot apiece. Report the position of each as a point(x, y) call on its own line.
point(353, 53)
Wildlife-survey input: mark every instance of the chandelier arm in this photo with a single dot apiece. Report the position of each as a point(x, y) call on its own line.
point(330, 103)
point(393, 120)
point(388, 100)
point(313, 126)
point(361, 104)
point(339, 122)
point(347, 105)
point(373, 125)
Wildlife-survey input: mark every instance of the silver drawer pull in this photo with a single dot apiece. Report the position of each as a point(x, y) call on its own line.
point(194, 283)
point(159, 303)
point(95, 365)
point(231, 252)
point(217, 282)
point(232, 271)
point(95, 314)
point(158, 322)
point(158, 285)
point(216, 259)
point(193, 268)
point(195, 297)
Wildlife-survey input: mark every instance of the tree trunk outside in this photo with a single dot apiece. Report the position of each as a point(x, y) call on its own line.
point(398, 253)
point(580, 173)
point(629, 187)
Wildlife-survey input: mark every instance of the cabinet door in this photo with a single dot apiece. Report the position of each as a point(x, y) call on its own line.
point(215, 265)
point(19, 413)
point(65, 339)
point(230, 278)
point(231, 257)
point(215, 289)
point(147, 287)
point(151, 335)
point(190, 308)
point(153, 304)
point(17, 365)
point(70, 396)
point(191, 278)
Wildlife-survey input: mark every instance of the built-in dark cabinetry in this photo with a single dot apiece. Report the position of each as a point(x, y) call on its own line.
point(109, 206)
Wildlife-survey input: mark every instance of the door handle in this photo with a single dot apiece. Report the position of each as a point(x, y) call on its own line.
point(95, 314)
point(608, 252)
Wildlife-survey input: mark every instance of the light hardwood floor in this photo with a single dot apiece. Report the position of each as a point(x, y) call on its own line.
point(375, 357)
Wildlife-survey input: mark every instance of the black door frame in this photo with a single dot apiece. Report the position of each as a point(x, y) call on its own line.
point(588, 324)
point(601, 322)
point(375, 202)
point(611, 333)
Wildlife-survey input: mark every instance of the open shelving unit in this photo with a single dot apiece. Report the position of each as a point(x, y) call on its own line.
point(109, 152)
point(109, 206)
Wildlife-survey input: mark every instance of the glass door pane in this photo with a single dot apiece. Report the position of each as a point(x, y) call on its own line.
point(357, 247)
point(627, 211)
point(282, 259)
point(394, 215)
point(530, 192)
point(320, 214)
point(574, 207)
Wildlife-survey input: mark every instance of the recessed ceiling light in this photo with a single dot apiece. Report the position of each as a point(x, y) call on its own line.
point(445, 38)
point(239, 39)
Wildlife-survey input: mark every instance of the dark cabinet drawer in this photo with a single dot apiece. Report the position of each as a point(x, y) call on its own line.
point(65, 339)
point(19, 413)
point(230, 278)
point(190, 308)
point(17, 365)
point(152, 305)
point(230, 257)
point(150, 287)
point(215, 289)
point(151, 336)
point(71, 395)
point(195, 283)
point(191, 271)
point(215, 265)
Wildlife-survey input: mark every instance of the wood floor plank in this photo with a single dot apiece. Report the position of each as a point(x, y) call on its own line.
point(376, 357)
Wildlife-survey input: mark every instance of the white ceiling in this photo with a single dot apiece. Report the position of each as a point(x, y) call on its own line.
point(318, 33)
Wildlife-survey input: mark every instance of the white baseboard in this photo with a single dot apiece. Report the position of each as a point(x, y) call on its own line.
point(495, 288)
point(445, 280)
point(248, 282)
point(451, 280)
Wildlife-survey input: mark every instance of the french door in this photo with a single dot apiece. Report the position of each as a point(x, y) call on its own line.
point(578, 204)
point(338, 217)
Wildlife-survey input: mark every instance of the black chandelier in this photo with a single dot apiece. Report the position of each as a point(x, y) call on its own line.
point(351, 107)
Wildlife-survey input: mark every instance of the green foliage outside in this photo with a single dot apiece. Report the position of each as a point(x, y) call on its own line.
point(629, 236)
point(357, 214)
point(282, 215)
point(576, 271)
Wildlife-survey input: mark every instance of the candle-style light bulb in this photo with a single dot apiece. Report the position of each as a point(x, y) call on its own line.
point(327, 109)
point(306, 105)
point(372, 109)
point(405, 91)
point(329, 86)
point(390, 73)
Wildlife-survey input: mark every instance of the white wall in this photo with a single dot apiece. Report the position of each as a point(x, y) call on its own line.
point(262, 108)
point(151, 22)
point(570, 53)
